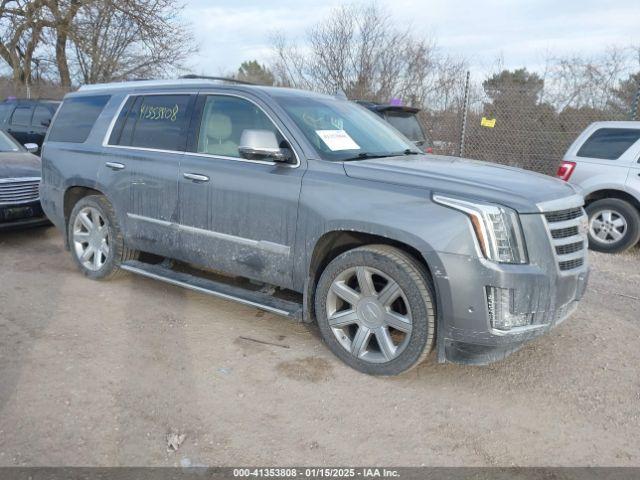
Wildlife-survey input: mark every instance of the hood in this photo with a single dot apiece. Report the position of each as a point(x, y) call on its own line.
point(509, 186)
point(19, 164)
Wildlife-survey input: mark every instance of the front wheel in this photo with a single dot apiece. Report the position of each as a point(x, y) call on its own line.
point(614, 225)
point(375, 310)
point(95, 238)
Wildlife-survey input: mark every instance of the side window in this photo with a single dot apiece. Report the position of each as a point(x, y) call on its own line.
point(21, 116)
point(153, 121)
point(76, 118)
point(4, 111)
point(609, 143)
point(41, 117)
point(223, 121)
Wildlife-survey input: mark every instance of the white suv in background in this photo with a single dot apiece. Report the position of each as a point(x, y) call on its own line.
point(604, 163)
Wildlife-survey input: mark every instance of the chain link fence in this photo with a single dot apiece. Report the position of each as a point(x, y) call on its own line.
point(509, 124)
point(44, 90)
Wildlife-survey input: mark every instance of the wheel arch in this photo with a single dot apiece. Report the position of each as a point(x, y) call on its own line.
point(72, 195)
point(611, 193)
point(335, 242)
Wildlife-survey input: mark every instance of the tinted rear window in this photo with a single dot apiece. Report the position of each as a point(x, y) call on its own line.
point(76, 118)
point(153, 121)
point(4, 111)
point(407, 125)
point(21, 116)
point(609, 143)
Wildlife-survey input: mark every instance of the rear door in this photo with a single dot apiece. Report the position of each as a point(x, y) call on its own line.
point(142, 154)
point(40, 122)
point(238, 215)
point(20, 124)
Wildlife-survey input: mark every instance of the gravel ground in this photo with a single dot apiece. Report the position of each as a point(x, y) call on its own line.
point(97, 374)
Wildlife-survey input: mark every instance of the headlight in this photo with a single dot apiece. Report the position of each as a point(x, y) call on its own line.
point(497, 229)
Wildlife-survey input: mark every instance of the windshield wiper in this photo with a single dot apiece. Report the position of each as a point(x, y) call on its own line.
point(367, 155)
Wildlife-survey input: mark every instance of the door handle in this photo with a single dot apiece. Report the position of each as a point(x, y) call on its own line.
point(196, 177)
point(115, 165)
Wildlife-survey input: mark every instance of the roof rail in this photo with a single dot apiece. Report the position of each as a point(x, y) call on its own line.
point(193, 76)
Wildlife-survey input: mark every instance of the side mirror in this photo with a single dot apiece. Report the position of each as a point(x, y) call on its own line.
point(261, 145)
point(45, 123)
point(31, 147)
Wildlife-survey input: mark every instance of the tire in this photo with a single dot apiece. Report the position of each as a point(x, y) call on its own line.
point(96, 209)
point(359, 325)
point(610, 218)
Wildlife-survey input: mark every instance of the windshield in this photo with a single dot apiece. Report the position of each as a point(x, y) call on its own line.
point(341, 130)
point(7, 144)
point(407, 124)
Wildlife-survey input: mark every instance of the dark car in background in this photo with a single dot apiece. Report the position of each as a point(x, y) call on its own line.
point(404, 119)
point(27, 120)
point(19, 183)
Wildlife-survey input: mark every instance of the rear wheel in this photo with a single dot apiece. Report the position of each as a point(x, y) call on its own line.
point(95, 238)
point(375, 309)
point(614, 225)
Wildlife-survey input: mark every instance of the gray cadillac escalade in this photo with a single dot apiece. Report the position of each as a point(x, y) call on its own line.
point(312, 207)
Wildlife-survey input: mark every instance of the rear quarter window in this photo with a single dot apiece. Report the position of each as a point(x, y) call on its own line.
point(158, 122)
point(609, 143)
point(76, 118)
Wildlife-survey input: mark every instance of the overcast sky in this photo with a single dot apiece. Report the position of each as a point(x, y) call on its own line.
point(520, 32)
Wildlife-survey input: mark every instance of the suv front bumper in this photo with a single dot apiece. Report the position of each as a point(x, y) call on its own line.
point(538, 295)
point(466, 334)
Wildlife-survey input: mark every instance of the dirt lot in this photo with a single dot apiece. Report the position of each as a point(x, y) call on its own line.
point(98, 373)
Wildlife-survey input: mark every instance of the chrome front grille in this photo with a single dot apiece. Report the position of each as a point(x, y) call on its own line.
point(18, 190)
point(568, 239)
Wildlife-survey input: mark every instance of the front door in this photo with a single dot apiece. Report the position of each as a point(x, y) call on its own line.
point(141, 164)
point(236, 215)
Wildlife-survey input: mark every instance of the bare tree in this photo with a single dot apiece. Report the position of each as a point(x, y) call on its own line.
point(580, 81)
point(21, 26)
point(125, 39)
point(359, 50)
point(62, 16)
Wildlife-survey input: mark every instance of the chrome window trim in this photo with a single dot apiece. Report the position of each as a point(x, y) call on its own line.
point(106, 144)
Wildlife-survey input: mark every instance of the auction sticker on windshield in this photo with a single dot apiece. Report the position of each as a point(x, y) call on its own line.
point(337, 140)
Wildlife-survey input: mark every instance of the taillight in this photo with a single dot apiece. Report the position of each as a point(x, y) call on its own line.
point(428, 150)
point(565, 170)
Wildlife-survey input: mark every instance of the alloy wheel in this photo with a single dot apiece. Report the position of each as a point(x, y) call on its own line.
point(91, 238)
point(369, 314)
point(607, 226)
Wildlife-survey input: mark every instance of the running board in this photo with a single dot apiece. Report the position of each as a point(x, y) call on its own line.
point(252, 298)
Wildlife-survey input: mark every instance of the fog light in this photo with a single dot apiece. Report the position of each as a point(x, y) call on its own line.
point(500, 306)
